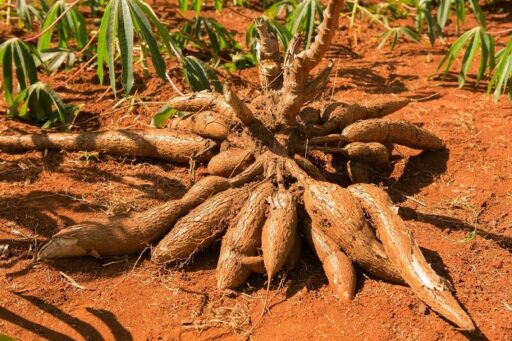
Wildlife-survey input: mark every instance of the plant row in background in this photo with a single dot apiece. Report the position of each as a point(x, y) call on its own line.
point(122, 33)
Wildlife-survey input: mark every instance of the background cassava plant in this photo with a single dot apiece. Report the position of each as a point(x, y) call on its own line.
point(70, 28)
point(122, 20)
point(18, 67)
point(39, 103)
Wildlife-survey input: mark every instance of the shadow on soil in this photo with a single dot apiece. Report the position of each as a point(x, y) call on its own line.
point(420, 171)
point(445, 222)
point(86, 330)
point(366, 78)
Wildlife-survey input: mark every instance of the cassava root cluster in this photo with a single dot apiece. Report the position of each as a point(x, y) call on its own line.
point(264, 195)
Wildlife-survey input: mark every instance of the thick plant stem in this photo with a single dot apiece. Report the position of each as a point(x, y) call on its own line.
point(240, 109)
point(299, 66)
point(269, 58)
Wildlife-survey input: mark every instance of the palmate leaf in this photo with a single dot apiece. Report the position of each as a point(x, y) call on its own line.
point(122, 20)
point(199, 76)
point(501, 81)
point(16, 57)
point(445, 8)
point(474, 41)
point(423, 14)
point(305, 18)
point(54, 59)
point(69, 28)
point(25, 12)
point(395, 33)
point(209, 34)
point(280, 7)
point(40, 104)
point(197, 5)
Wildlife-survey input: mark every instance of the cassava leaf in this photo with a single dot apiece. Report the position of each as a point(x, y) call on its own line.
point(162, 116)
point(121, 22)
point(16, 57)
point(198, 75)
point(125, 27)
point(40, 104)
point(71, 27)
point(501, 80)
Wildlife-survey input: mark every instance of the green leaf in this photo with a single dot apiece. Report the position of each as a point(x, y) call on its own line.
point(503, 73)
point(198, 75)
point(122, 21)
point(477, 11)
point(469, 55)
point(40, 104)
point(183, 5)
point(125, 26)
point(147, 35)
point(304, 18)
point(101, 51)
point(209, 35)
point(443, 11)
point(15, 56)
point(454, 50)
point(70, 27)
point(53, 59)
point(162, 116)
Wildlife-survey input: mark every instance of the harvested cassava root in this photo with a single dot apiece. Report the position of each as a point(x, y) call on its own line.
point(205, 123)
point(261, 176)
point(406, 255)
point(129, 234)
point(337, 266)
point(242, 239)
point(200, 227)
point(279, 232)
point(399, 132)
point(156, 143)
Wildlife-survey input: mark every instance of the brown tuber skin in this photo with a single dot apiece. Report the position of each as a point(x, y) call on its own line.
point(132, 233)
point(156, 143)
point(199, 227)
point(337, 266)
point(253, 148)
point(230, 162)
point(243, 238)
point(407, 257)
point(204, 123)
point(399, 132)
point(279, 232)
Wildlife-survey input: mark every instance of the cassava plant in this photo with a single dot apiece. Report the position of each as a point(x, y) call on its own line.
point(260, 183)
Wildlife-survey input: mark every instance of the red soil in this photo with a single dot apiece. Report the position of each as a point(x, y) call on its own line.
point(443, 196)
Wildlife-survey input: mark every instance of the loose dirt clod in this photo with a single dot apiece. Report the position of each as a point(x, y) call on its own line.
point(405, 254)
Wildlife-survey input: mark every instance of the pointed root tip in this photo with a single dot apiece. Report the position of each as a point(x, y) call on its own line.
point(60, 248)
